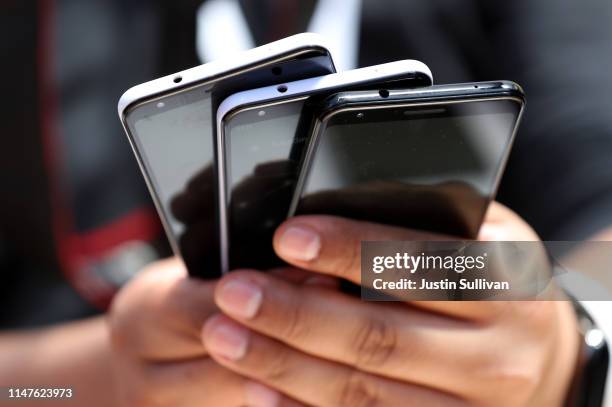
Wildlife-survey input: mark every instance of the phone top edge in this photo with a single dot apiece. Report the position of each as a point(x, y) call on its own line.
point(459, 90)
point(266, 94)
point(209, 71)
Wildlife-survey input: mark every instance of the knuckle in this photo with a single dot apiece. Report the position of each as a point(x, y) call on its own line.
point(350, 261)
point(296, 327)
point(342, 248)
point(358, 391)
point(375, 343)
point(277, 369)
point(518, 381)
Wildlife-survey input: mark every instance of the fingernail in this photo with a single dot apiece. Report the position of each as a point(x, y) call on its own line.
point(241, 298)
point(258, 395)
point(299, 243)
point(226, 339)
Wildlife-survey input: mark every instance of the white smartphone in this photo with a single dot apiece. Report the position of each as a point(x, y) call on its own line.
point(260, 137)
point(170, 123)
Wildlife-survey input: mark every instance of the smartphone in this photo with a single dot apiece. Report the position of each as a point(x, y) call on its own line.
point(260, 139)
point(428, 159)
point(170, 123)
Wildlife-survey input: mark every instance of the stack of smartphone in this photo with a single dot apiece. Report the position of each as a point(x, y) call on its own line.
point(232, 148)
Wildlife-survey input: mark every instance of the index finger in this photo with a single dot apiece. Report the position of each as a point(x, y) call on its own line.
point(332, 245)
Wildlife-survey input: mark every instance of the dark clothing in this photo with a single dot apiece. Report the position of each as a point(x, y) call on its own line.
point(74, 202)
point(73, 195)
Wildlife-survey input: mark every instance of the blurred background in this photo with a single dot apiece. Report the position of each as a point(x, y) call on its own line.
point(76, 220)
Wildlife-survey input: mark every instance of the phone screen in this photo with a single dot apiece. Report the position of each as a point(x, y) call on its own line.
point(433, 167)
point(173, 137)
point(263, 150)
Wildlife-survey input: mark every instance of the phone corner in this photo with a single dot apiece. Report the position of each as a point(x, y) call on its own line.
point(125, 101)
point(512, 87)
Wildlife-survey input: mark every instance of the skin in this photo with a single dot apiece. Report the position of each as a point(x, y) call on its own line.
point(159, 359)
point(179, 341)
point(74, 355)
point(426, 353)
point(165, 340)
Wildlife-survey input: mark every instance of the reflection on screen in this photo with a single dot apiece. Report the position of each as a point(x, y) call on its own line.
point(263, 151)
point(175, 142)
point(433, 168)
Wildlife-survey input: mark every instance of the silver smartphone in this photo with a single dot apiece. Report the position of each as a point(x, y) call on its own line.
point(429, 159)
point(260, 139)
point(170, 123)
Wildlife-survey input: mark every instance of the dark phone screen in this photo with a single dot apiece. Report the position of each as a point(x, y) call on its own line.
point(174, 139)
point(263, 152)
point(433, 167)
point(264, 148)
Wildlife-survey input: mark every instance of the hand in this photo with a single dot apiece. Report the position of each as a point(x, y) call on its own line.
point(159, 359)
point(326, 348)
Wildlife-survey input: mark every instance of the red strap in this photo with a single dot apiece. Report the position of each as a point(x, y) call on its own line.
point(141, 224)
point(76, 251)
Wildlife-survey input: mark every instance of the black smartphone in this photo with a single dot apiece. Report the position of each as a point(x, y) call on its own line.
point(428, 158)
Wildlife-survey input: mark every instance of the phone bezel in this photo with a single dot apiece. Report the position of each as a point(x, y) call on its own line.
point(432, 96)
